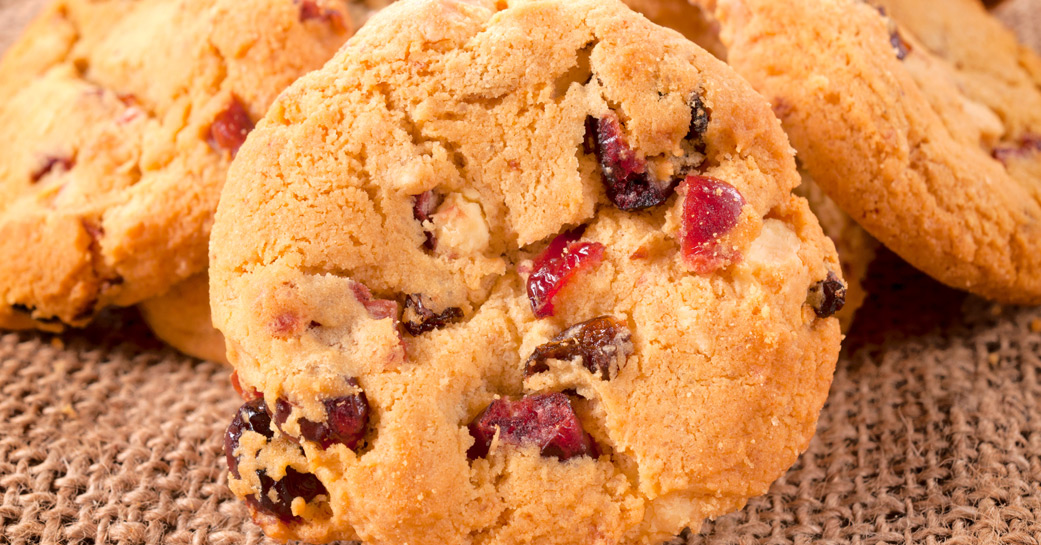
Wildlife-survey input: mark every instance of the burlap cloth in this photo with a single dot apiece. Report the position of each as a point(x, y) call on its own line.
point(932, 433)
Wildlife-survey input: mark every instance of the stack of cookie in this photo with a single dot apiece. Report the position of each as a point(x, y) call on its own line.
point(510, 272)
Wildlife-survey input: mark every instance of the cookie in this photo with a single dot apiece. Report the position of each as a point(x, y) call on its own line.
point(119, 121)
point(518, 272)
point(181, 318)
point(923, 127)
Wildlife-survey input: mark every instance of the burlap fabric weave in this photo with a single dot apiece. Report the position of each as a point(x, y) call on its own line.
point(932, 433)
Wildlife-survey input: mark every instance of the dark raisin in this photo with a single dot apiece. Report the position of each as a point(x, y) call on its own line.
point(827, 296)
point(556, 266)
point(49, 164)
point(293, 484)
point(346, 420)
point(628, 184)
point(711, 210)
point(230, 128)
point(423, 207)
point(699, 118)
point(252, 416)
point(545, 420)
point(900, 45)
point(418, 319)
point(1030, 143)
point(603, 343)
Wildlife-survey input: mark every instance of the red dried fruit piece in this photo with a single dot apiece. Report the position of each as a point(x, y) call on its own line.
point(253, 416)
point(312, 10)
point(247, 395)
point(556, 266)
point(545, 420)
point(628, 183)
point(603, 343)
point(284, 324)
point(711, 210)
point(827, 296)
point(346, 420)
point(418, 319)
point(230, 128)
point(1030, 143)
point(423, 207)
point(50, 163)
point(378, 308)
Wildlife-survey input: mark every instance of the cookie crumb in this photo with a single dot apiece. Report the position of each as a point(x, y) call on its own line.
point(993, 359)
point(1035, 325)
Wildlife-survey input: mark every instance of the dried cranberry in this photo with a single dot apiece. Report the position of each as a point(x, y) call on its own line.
point(1030, 143)
point(345, 421)
point(378, 308)
point(423, 207)
point(711, 210)
point(48, 164)
point(248, 395)
point(827, 296)
point(544, 420)
point(556, 266)
point(418, 319)
point(628, 183)
point(311, 10)
point(230, 127)
point(602, 343)
point(252, 416)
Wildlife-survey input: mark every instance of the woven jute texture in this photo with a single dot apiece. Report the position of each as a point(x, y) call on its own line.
point(932, 433)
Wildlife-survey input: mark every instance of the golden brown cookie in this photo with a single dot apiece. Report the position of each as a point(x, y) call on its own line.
point(518, 272)
point(924, 127)
point(119, 120)
point(181, 317)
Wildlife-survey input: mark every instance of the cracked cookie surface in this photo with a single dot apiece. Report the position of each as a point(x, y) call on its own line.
point(920, 119)
point(119, 120)
point(518, 272)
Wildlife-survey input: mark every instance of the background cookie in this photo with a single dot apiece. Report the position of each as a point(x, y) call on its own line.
point(933, 152)
point(552, 214)
point(181, 317)
point(119, 121)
